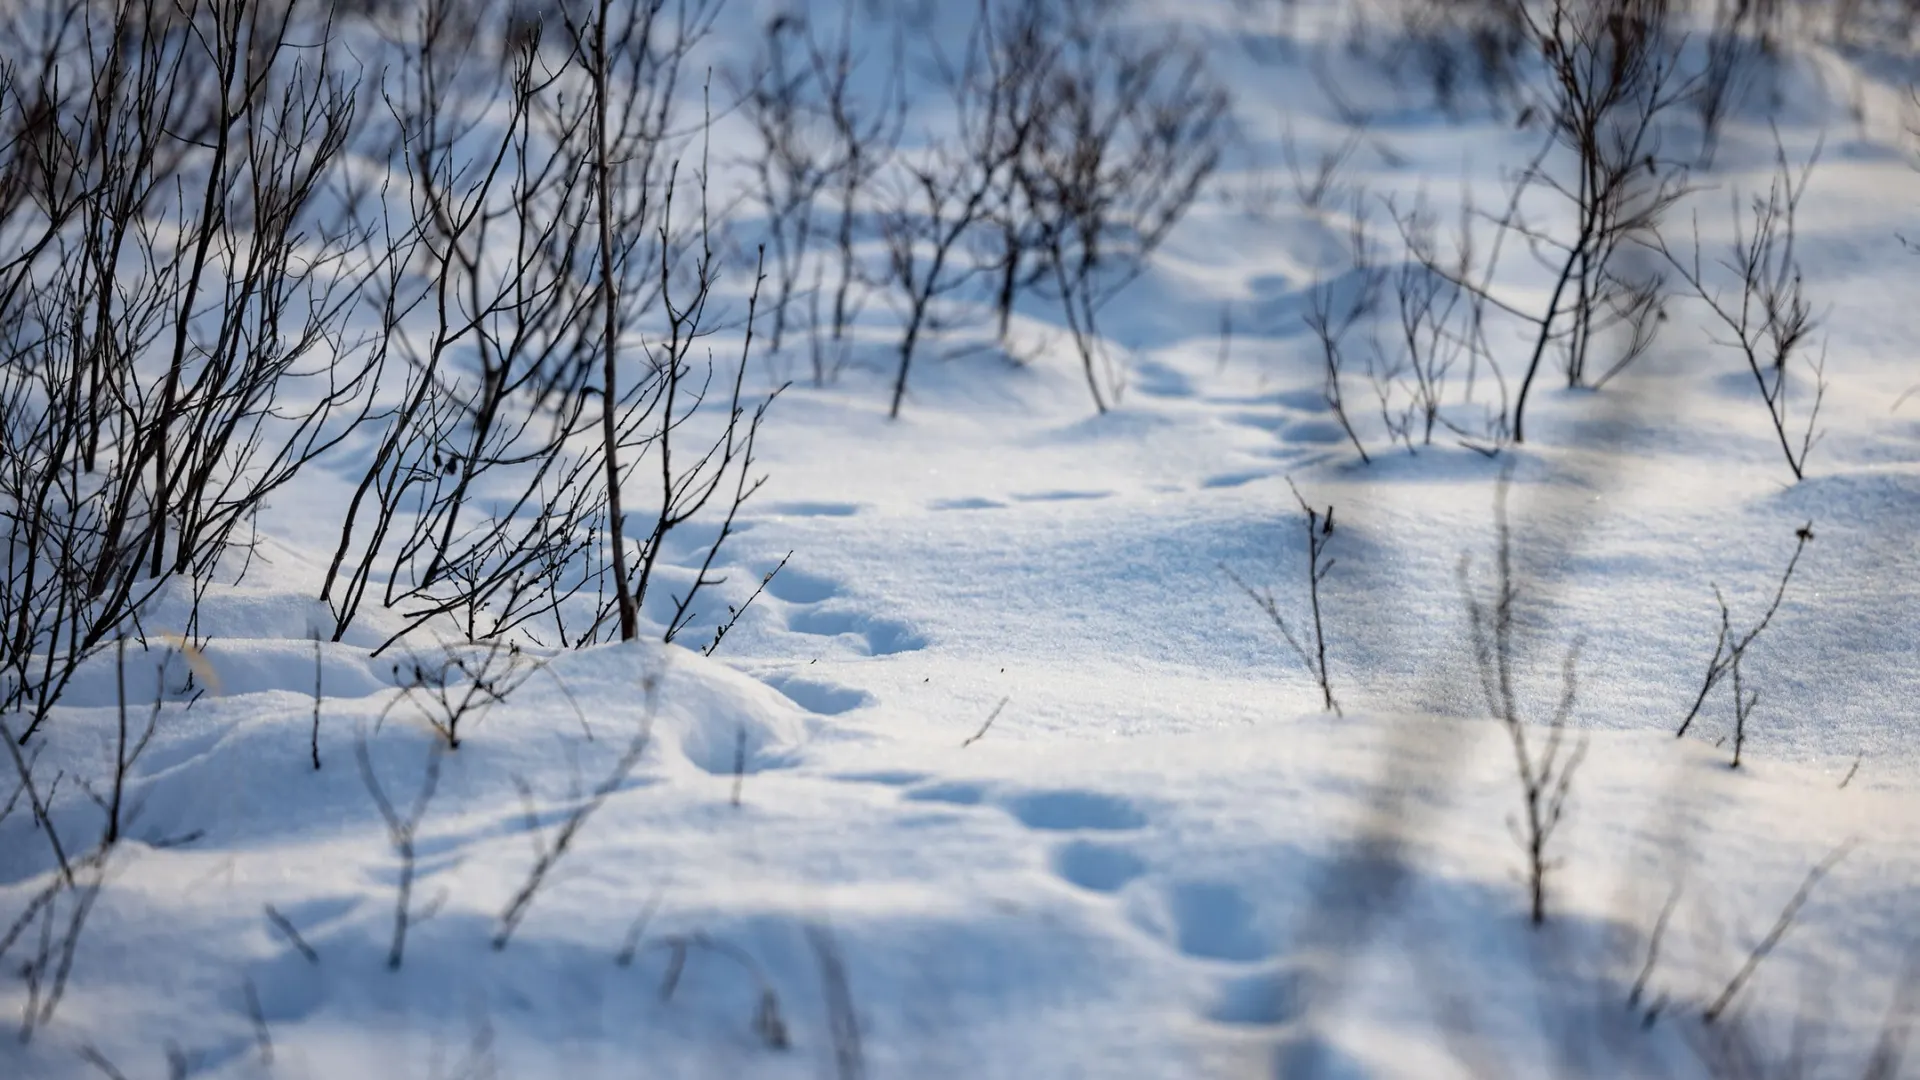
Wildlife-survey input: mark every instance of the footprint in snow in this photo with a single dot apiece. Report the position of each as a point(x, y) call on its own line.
point(1291, 430)
point(1069, 810)
point(1097, 867)
point(811, 509)
point(868, 634)
point(796, 586)
point(1235, 479)
point(819, 696)
point(1314, 433)
point(1061, 496)
point(1158, 380)
point(803, 593)
point(1306, 401)
point(1209, 920)
point(953, 793)
point(1269, 998)
point(1064, 810)
point(966, 504)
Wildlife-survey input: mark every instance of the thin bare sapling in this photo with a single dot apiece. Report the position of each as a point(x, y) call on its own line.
point(1308, 643)
point(1730, 649)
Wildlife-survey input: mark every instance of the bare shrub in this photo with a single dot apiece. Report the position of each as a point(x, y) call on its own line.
point(1742, 35)
point(1729, 650)
point(818, 141)
point(1130, 128)
point(1309, 644)
point(1769, 319)
point(547, 377)
point(166, 362)
point(1336, 307)
point(938, 192)
point(462, 684)
point(865, 135)
point(1459, 43)
point(1609, 73)
point(778, 98)
point(1075, 146)
point(472, 505)
point(1431, 330)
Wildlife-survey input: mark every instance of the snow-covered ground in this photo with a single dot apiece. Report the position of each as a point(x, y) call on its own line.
point(1003, 775)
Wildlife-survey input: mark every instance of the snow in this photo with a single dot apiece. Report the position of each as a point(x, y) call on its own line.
point(1159, 858)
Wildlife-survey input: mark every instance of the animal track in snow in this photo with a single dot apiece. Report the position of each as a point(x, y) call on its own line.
point(1097, 867)
point(799, 587)
point(1214, 920)
point(804, 592)
point(1313, 432)
point(1269, 998)
point(1235, 479)
point(824, 698)
point(1070, 810)
point(812, 509)
point(952, 792)
point(1155, 379)
point(1061, 496)
point(878, 637)
point(974, 503)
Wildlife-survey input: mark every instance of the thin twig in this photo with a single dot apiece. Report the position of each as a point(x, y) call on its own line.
point(285, 926)
point(1726, 650)
point(314, 741)
point(734, 613)
point(991, 717)
point(1848, 779)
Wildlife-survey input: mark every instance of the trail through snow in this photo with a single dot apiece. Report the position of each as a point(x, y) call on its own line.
point(1159, 859)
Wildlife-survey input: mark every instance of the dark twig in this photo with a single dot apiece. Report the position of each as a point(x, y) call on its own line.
point(292, 934)
point(92, 1056)
point(1727, 650)
point(314, 741)
point(459, 689)
point(734, 613)
point(991, 717)
point(1848, 779)
point(1770, 320)
point(1319, 527)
